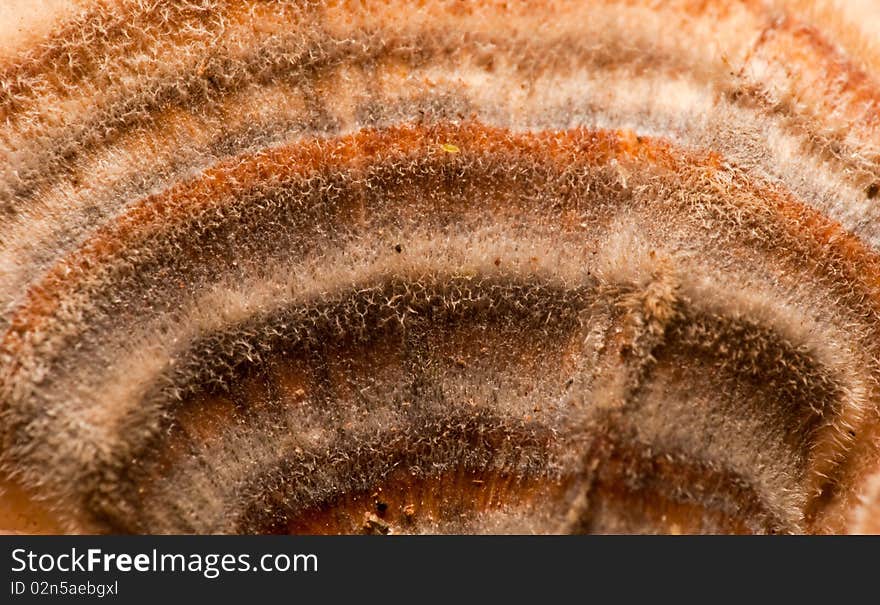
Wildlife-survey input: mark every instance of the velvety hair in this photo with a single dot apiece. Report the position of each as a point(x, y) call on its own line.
point(272, 266)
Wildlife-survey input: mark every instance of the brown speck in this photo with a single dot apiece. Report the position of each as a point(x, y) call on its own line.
point(375, 526)
point(398, 248)
point(872, 190)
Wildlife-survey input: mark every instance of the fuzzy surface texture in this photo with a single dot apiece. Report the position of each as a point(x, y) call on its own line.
point(550, 266)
